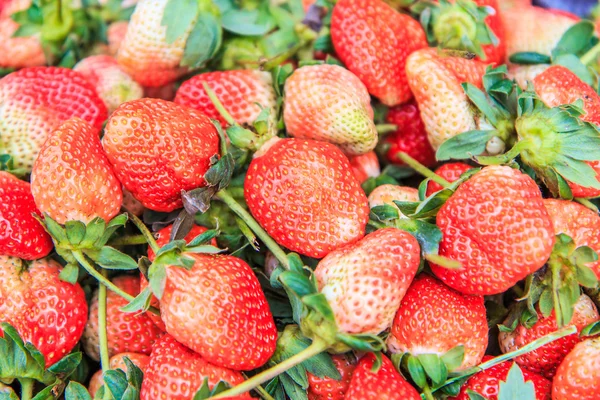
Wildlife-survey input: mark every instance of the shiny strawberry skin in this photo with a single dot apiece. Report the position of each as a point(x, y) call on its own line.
point(219, 310)
point(546, 359)
point(46, 311)
point(373, 40)
point(410, 137)
point(496, 226)
point(35, 101)
point(577, 377)
point(304, 194)
point(365, 166)
point(330, 389)
point(365, 282)
point(329, 103)
point(386, 383)
point(239, 91)
point(434, 318)
point(72, 179)
point(175, 372)
point(21, 235)
point(159, 148)
point(450, 172)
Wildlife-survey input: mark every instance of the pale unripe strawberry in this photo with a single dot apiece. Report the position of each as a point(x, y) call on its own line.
point(365, 166)
point(386, 194)
point(115, 34)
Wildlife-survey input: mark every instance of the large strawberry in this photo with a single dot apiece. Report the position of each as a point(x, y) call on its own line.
point(175, 372)
point(21, 235)
point(72, 178)
point(330, 389)
point(496, 226)
point(46, 311)
point(159, 148)
point(450, 172)
point(384, 383)
point(374, 40)
point(578, 376)
point(35, 101)
point(434, 319)
point(329, 103)
point(346, 277)
point(304, 194)
point(546, 359)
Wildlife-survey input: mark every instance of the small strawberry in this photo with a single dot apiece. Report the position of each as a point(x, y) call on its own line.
point(19, 52)
point(330, 389)
point(158, 148)
point(373, 40)
point(304, 194)
point(36, 101)
point(21, 235)
point(117, 362)
point(112, 84)
point(578, 376)
point(434, 319)
point(175, 372)
point(127, 332)
point(385, 383)
point(46, 311)
point(365, 166)
point(496, 226)
point(115, 34)
point(131, 204)
point(309, 111)
point(487, 383)
point(546, 359)
point(72, 178)
point(410, 137)
point(365, 282)
point(450, 172)
point(386, 194)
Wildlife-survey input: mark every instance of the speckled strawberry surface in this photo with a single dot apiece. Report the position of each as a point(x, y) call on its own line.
point(578, 375)
point(450, 172)
point(331, 389)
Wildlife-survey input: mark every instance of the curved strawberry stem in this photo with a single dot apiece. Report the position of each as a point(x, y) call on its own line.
point(128, 240)
point(102, 334)
point(423, 170)
point(218, 105)
point(27, 385)
point(443, 262)
point(386, 128)
point(145, 231)
point(590, 55)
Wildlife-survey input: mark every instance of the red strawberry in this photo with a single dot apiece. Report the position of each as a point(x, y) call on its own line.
point(329, 103)
point(158, 149)
point(163, 237)
point(450, 172)
point(578, 376)
point(21, 235)
point(127, 332)
point(494, 54)
point(373, 40)
point(410, 137)
point(72, 178)
point(434, 318)
point(546, 359)
point(36, 101)
point(365, 166)
point(386, 383)
point(175, 372)
point(496, 226)
point(19, 52)
point(487, 382)
point(218, 309)
point(365, 282)
point(46, 311)
point(330, 389)
point(115, 34)
point(304, 194)
point(131, 204)
point(117, 362)
point(240, 92)
point(386, 194)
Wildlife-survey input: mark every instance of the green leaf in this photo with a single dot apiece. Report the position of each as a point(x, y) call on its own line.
point(478, 97)
point(577, 172)
point(55, 229)
point(297, 283)
point(384, 212)
point(592, 329)
point(203, 43)
point(141, 302)
point(67, 365)
point(454, 357)
point(248, 22)
point(586, 277)
point(529, 58)
point(318, 302)
point(111, 258)
point(116, 382)
point(70, 273)
point(575, 39)
point(515, 387)
point(178, 16)
point(428, 235)
point(93, 232)
point(76, 391)
point(546, 303)
point(464, 145)
point(434, 368)
point(474, 395)
point(416, 371)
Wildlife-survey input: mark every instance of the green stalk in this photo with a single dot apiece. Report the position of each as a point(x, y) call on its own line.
point(427, 393)
point(317, 347)
point(443, 262)
point(128, 240)
point(262, 392)
point(27, 385)
point(386, 128)
point(586, 203)
point(145, 231)
point(102, 334)
point(591, 55)
point(218, 105)
point(423, 170)
point(59, 15)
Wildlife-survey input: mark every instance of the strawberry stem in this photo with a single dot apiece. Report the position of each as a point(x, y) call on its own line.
point(128, 241)
point(102, 334)
point(145, 231)
point(27, 385)
point(443, 262)
point(317, 347)
point(386, 128)
point(218, 105)
point(423, 170)
point(586, 203)
point(590, 55)
point(427, 392)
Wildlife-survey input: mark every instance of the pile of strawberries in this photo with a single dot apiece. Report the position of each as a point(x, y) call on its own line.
point(351, 199)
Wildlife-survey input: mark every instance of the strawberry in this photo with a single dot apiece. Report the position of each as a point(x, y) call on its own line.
point(546, 359)
point(410, 137)
point(158, 148)
point(175, 372)
point(434, 319)
point(115, 34)
point(127, 332)
point(494, 53)
point(487, 382)
point(310, 113)
point(386, 194)
point(330, 389)
point(450, 172)
point(365, 282)
point(218, 310)
point(365, 166)
point(131, 204)
point(117, 362)
point(21, 235)
point(241, 92)
point(112, 84)
point(496, 226)
point(72, 179)
point(36, 101)
point(435, 80)
point(19, 52)
point(305, 196)
point(46, 311)
point(373, 40)
point(385, 383)
point(578, 375)
point(523, 74)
